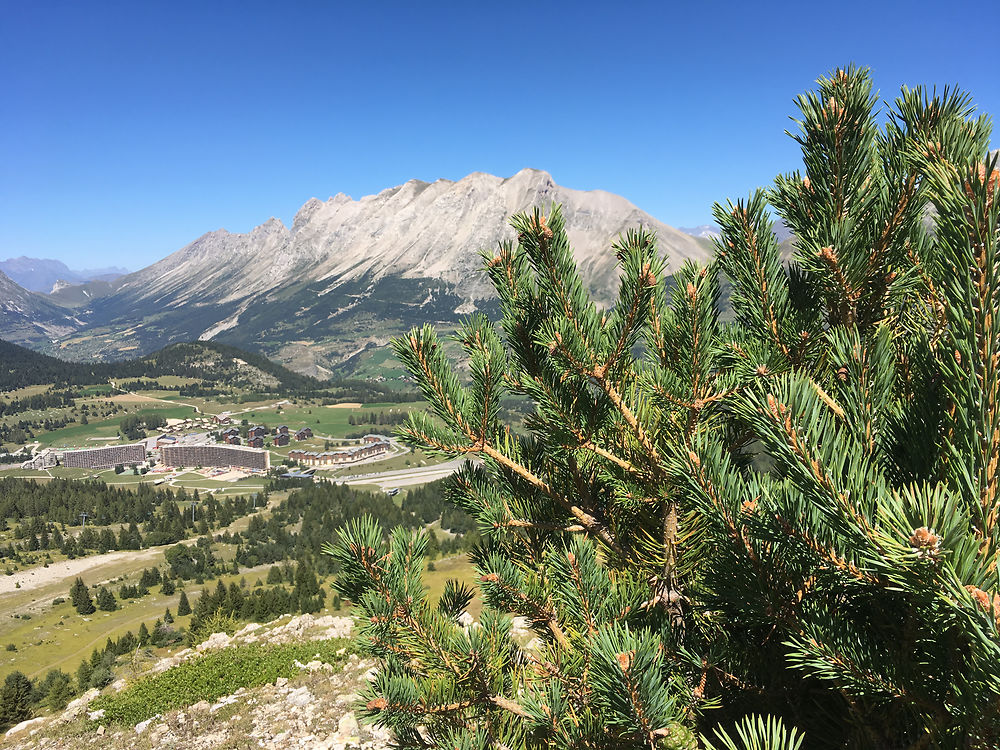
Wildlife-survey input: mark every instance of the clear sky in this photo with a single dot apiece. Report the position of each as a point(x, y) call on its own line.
point(128, 129)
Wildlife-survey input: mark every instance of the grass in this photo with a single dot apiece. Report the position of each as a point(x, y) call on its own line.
point(332, 423)
point(56, 637)
point(323, 421)
point(457, 567)
point(76, 435)
point(410, 460)
point(30, 390)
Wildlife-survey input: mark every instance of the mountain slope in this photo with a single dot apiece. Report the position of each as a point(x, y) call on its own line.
point(348, 274)
point(207, 360)
point(29, 318)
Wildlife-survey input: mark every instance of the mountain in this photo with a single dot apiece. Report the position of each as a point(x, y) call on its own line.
point(42, 274)
point(348, 274)
point(80, 295)
point(707, 231)
point(29, 318)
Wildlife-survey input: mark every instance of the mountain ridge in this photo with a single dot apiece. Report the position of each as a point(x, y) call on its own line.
point(30, 318)
point(346, 275)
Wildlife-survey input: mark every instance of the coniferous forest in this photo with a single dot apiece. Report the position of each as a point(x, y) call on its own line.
point(775, 531)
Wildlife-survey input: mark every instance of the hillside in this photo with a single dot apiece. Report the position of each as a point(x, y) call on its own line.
point(348, 274)
point(219, 363)
point(208, 361)
point(29, 318)
point(308, 703)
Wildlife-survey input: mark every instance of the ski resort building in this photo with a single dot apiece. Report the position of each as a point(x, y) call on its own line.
point(45, 459)
point(368, 449)
point(105, 458)
point(215, 455)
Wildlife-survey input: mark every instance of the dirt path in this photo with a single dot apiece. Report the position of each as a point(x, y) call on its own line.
point(37, 586)
point(40, 585)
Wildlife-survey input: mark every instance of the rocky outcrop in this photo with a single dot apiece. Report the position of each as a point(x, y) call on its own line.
point(416, 230)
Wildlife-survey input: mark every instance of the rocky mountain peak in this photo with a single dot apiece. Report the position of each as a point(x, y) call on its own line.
point(407, 254)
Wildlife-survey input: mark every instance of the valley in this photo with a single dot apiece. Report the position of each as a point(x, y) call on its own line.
point(120, 528)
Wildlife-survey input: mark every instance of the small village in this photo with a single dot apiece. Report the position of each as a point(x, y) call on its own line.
point(232, 448)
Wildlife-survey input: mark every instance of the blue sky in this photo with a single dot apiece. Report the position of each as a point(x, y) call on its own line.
point(128, 129)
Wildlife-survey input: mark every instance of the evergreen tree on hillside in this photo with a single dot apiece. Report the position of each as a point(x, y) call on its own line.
point(712, 525)
point(183, 605)
point(307, 594)
point(15, 700)
point(79, 596)
point(106, 600)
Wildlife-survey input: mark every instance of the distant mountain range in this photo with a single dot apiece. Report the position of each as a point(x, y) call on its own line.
point(329, 291)
point(708, 231)
point(44, 274)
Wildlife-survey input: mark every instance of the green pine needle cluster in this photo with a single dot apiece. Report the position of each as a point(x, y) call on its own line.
point(776, 531)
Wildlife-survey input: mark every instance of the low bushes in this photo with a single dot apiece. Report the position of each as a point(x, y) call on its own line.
point(213, 675)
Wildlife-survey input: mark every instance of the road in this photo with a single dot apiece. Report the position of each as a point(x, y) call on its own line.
point(404, 477)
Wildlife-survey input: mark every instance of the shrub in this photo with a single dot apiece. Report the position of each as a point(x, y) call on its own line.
point(101, 677)
point(793, 515)
point(213, 675)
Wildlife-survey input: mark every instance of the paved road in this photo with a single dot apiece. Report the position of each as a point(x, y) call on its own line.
point(404, 477)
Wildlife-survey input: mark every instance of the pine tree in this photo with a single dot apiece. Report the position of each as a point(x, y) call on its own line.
point(106, 600)
point(83, 673)
point(15, 699)
point(794, 513)
point(79, 595)
point(183, 606)
point(60, 690)
point(274, 575)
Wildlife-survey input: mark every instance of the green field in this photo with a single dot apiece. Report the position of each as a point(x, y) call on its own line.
point(56, 637)
point(325, 421)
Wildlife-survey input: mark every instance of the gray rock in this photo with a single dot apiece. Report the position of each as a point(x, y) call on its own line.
point(24, 726)
point(299, 697)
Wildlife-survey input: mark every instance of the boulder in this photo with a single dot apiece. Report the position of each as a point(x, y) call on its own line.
point(299, 697)
point(24, 726)
point(76, 706)
point(214, 641)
